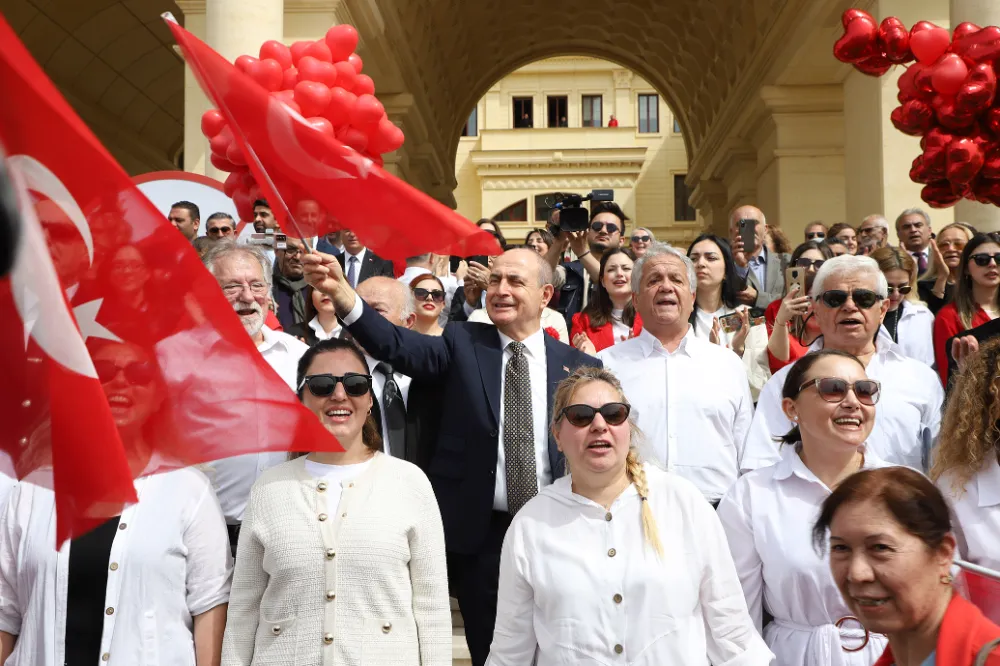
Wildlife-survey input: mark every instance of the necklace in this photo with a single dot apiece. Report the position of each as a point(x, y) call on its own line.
point(891, 322)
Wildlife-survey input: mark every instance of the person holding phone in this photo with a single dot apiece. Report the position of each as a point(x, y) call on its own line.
point(718, 315)
point(790, 327)
point(760, 270)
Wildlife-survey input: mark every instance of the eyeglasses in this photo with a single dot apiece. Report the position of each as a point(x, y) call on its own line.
point(236, 288)
point(291, 251)
point(614, 413)
point(135, 373)
point(323, 386)
point(815, 235)
point(640, 239)
point(421, 294)
point(833, 389)
point(809, 263)
point(903, 289)
point(863, 298)
point(610, 226)
point(218, 231)
point(984, 259)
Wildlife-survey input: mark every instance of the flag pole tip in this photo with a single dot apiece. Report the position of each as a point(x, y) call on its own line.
point(169, 18)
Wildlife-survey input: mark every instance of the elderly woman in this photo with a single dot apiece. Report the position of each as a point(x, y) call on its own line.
point(640, 240)
point(891, 546)
point(617, 561)
point(846, 234)
point(150, 583)
point(768, 515)
point(790, 323)
point(908, 322)
point(849, 299)
point(937, 285)
point(610, 317)
point(429, 294)
point(341, 556)
point(966, 466)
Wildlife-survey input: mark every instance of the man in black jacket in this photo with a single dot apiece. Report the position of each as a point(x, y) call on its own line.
point(359, 263)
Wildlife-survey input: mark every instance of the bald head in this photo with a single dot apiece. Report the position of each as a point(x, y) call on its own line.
point(748, 213)
point(544, 270)
point(390, 298)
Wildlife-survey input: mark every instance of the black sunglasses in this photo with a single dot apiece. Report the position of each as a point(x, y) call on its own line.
point(135, 373)
point(983, 259)
point(640, 239)
point(421, 294)
point(863, 298)
point(807, 263)
point(614, 413)
point(323, 386)
point(218, 231)
point(815, 235)
point(903, 289)
point(610, 226)
point(833, 389)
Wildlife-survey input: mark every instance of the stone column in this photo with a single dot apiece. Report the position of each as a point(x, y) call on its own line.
point(623, 100)
point(195, 101)
point(984, 217)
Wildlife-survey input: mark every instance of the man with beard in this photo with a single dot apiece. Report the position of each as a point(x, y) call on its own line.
point(289, 285)
point(244, 274)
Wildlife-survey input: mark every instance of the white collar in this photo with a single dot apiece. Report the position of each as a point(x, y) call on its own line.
point(534, 344)
point(322, 334)
point(791, 464)
point(271, 339)
point(988, 484)
point(650, 343)
point(562, 489)
point(360, 256)
point(883, 344)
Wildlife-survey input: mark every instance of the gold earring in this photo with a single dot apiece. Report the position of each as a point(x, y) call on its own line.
point(947, 579)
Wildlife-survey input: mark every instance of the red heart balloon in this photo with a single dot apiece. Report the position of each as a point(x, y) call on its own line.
point(342, 40)
point(248, 180)
point(346, 76)
point(894, 39)
point(914, 117)
point(289, 78)
point(244, 204)
point(979, 46)
point(934, 144)
point(929, 44)
point(322, 124)
point(367, 112)
point(992, 121)
point(877, 65)
point(235, 155)
point(860, 40)
point(232, 183)
point(988, 191)
point(318, 50)
point(212, 122)
point(267, 73)
point(964, 29)
point(353, 137)
point(979, 90)
point(312, 98)
point(298, 50)
point(965, 160)
point(918, 171)
point(219, 144)
point(287, 97)
point(222, 163)
point(991, 162)
point(243, 63)
point(341, 106)
point(386, 138)
point(949, 116)
point(924, 84)
point(275, 50)
point(939, 194)
point(851, 14)
point(920, 26)
point(311, 69)
point(948, 73)
point(364, 85)
point(356, 62)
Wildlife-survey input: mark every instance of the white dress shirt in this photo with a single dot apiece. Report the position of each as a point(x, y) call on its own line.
point(538, 374)
point(348, 257)
point(703, 328)
point(233, 477)
point(915, 333)
point(550, 319)
point(579, 584)
point(7, 485)
point(378, 385)
point(977, 508)
point(170, 561)
point(693, 406)
point(321, 333)
point(768, 517)
point(907, 418)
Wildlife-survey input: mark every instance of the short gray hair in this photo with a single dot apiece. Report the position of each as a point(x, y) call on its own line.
point(545, 270)
point(652, 236)
point(914, 211)
point(660, 249)
point(224, 249)
point(854, 266)
point(880, 221)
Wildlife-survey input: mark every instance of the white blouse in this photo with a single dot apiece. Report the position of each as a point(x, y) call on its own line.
point(579, 584)
point(915, 333)
point(170, 561)
point(977, 508)
point(768, 517)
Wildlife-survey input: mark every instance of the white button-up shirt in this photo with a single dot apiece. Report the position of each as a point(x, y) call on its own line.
point(170, 561)
point(321, 333)
point(359, 258)
point(282, 352)
point(580, 585)
point(915, 333)
point(693, 405)
point(977, 508)
point(378, 385)
point(907, 418)
point(768, 517)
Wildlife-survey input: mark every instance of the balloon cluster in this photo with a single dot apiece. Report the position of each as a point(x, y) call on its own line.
point(322, 81)
point(948, 97)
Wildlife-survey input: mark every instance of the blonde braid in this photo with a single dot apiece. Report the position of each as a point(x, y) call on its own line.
point(637, 475)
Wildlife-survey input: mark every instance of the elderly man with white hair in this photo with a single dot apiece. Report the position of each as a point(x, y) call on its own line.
point(691, 397)
point(876, 228)
point(850, 298)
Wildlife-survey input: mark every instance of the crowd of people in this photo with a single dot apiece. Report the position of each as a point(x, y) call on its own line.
point(608, 449)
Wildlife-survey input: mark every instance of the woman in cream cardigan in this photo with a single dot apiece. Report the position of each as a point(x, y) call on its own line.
point(341, 558)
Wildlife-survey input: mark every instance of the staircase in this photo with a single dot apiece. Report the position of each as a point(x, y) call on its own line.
point(459, 650)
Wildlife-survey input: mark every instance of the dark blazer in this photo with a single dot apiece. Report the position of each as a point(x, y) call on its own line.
point(463, 365)
point(371, 266)
point(774, 277)
point(571, 294)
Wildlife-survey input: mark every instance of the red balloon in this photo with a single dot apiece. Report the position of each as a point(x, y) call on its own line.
point(918, 171)
point(356, 62)
point(934, 144)
point(979, 90)
point(987, 190)
point(212, 122)
point(949, 116)
point(289, 78)
point(342, 40)
point(949, 73)
point(232, 183)
point(298, 49)
point(341, 106)
point(312, 98)
point(939, 194)
point(322, 124)
point(877, 65)
point(287, 97)
point(221, 163)
point(964, 29)
point(386, 138)
point(235, 155)
point(922, 80)
point(979, 46)
point(219, 144)
point(965, 160)
point(353, 137)
point(311, 69)
point(860, 40)
point(267, 73)
point(895, 41)
point(364, 85)
point(930, 43)
point(244, 204)
point(243, 63)
point(275, 50)
point(991, 162)
point(914, 117)
point(318, 50)
point(346, 76)
point(851, 14)
point(367, 112)
point(992, 121)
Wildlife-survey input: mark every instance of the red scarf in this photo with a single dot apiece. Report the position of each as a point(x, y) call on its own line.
point(964, 630)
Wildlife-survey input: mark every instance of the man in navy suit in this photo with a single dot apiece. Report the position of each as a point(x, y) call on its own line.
point(360, 263)
point(494, 447)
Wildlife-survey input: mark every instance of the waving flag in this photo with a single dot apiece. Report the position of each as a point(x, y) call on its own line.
point(152, 370)
point(304, 168)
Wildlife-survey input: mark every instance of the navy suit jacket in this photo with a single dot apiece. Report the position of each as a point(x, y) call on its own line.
point(464, 364)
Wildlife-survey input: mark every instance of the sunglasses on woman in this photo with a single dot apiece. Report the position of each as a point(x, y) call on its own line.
point(421, 294)
point(833, 389)
point(903, 289)
point(809, 263)
point(640, 239)
point(614, 413)
point(815, 235)
point(863, 298)
point(984, 259)
point(323, 386)
point(135, 373)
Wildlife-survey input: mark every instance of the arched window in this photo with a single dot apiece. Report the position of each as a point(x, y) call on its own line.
point(516, 212)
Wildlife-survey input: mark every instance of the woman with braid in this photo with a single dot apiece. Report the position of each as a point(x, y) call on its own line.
point(618, 561)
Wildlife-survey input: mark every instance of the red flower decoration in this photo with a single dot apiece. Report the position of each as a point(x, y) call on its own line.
point(551, 331)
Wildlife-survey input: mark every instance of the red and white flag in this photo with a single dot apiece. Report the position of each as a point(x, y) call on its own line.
point(152, 370)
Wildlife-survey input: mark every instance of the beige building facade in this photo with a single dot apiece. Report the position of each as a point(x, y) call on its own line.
point(766, 115)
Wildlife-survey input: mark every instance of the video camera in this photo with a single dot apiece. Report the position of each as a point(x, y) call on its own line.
point(572, 215)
